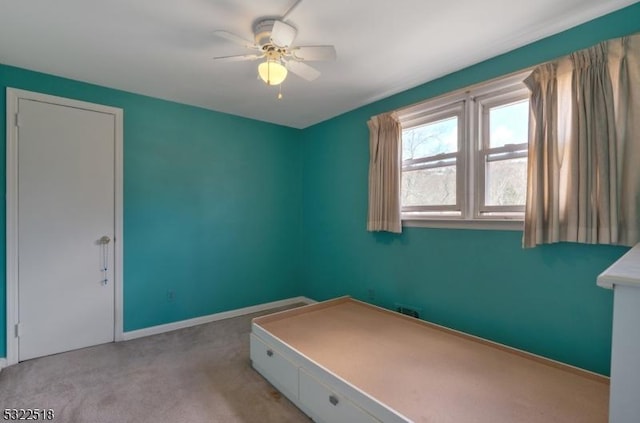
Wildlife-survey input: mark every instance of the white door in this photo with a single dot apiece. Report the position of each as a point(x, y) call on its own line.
point(65, 206)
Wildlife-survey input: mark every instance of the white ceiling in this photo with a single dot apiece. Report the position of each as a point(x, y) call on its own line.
point(164, 48)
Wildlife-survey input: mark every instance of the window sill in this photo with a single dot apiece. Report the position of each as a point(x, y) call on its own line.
point(482, 224)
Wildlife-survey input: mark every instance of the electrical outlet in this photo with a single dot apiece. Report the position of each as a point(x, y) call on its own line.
point(171, 295)
point(371, 294)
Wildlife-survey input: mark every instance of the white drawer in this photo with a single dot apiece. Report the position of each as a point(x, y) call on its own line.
point(282, 373)
point(328, 407)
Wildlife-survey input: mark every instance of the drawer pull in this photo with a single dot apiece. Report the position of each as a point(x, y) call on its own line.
point(333, 399)
point(269, 353)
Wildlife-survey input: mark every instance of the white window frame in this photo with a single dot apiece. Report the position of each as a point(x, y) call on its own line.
point(511, 151)
point(458, 110)
point(473, 138)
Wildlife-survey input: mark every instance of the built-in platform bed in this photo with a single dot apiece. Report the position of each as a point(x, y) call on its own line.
point(345, 361)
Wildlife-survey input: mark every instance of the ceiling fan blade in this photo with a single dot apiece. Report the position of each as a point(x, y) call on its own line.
point(236, 39)
point(290, 9)
point(310, 53)
point(303, 70)
point(282, 34)
point(238, 58)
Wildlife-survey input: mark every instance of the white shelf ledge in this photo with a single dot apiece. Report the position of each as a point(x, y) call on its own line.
point(625, 271)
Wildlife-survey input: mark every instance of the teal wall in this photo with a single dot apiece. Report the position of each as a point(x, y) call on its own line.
point(543, 300)
point(211, 205)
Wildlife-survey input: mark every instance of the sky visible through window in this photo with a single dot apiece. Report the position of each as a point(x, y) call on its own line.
point(509, 124)
point(431, 139)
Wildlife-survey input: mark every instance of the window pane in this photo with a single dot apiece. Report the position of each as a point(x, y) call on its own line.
point(509, 124)
point(429, 187)
point(430, 139)
point(506, 182)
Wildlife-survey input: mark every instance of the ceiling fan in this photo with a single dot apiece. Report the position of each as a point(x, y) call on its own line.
point(273, 42)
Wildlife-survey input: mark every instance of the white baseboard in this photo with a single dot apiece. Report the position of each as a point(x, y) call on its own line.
point(3, 363)
point(155, 330)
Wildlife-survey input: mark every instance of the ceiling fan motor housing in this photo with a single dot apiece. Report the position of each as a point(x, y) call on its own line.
point(262, 31)
point(274, 32)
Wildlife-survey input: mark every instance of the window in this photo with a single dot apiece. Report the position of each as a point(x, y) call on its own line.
point(430, 151)
point(464, 156)
point(502, 184)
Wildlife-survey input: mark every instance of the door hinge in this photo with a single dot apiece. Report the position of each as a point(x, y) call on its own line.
point(18, 121)
point(18, 330)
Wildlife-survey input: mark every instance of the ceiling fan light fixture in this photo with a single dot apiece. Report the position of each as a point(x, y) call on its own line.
point(272, 72)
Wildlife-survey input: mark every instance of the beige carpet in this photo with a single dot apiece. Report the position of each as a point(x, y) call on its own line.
point(193, 375)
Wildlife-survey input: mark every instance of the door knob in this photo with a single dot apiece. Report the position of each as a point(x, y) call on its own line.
point(103, 242)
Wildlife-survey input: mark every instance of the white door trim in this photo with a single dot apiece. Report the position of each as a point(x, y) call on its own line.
point(12, 209)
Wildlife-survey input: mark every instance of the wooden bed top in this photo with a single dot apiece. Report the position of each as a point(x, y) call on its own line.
point(432, 374)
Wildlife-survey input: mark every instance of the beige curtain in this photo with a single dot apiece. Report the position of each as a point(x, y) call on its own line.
point(584, 147)
point(385, 143)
